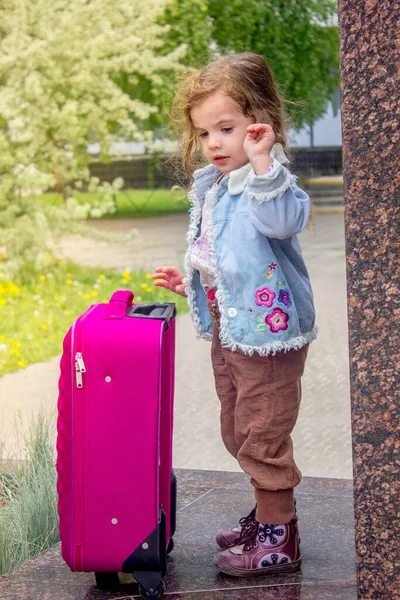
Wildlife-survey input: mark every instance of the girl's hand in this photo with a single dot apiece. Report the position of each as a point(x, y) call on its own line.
point(257, 144)
point(170, 279)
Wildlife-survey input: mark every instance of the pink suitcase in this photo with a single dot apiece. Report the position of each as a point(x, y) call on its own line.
point(116, 488)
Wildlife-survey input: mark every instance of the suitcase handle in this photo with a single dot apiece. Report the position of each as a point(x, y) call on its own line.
point(120, 303)
point(161, 311)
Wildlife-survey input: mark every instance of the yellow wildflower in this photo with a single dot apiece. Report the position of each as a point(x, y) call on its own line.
point(21, 363)
point(162, 295)
point(101, 276)
point(95, 293)
point(3, 301)
point(13, 289)
point(86, 296)
point(69, 281)
point(66, 312)
point(143, 285)
point(2, 338)
point(43, 326)
point(148, 275)
point(126, 274)
point(124, 281)
point(15, 351)
point(42, 277)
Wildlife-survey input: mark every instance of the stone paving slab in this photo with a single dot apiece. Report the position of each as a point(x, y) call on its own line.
point(208, 502)
point(322, 435)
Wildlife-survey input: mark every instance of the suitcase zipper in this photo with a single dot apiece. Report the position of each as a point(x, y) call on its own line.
point(79, 369)
point(78, 448)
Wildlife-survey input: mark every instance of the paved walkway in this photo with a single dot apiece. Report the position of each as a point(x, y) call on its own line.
point(322, 435)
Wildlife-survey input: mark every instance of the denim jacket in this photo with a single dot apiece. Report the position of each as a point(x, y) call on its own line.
point(263, 289)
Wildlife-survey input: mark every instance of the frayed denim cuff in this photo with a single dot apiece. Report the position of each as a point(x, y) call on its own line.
point(271, 185)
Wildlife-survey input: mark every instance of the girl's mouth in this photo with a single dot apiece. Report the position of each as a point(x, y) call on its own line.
point(220, 160)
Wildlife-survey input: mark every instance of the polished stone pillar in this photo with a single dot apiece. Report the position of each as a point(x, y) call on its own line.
point(371, 152)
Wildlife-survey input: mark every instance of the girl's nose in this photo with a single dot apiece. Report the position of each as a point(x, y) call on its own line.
point(214, 142)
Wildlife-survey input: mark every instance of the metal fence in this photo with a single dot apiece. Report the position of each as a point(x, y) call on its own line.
point(157, 171)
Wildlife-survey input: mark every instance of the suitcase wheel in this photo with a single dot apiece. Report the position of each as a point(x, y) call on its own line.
point(170, 546)
point(107, 581)
point(152, 594)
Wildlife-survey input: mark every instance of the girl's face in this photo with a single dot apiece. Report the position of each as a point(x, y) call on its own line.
point(222, 128)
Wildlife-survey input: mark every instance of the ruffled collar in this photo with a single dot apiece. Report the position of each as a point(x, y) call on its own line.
point(236, 180)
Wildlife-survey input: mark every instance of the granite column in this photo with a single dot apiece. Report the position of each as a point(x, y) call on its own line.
point(371, 133)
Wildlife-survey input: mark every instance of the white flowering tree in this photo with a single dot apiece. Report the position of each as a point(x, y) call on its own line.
point(60, 63)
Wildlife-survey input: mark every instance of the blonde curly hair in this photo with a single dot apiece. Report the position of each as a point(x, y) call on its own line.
point(247, 79)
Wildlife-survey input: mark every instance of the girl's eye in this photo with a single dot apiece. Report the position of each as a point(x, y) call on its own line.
point(227, 129)
point(204, 134)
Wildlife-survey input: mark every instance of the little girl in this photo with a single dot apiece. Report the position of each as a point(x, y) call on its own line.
point(248, 291)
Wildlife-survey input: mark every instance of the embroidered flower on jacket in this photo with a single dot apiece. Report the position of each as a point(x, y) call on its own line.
point(264, 297)
point(211, 294)
point(272, 266)
point(268, 274)
point(277, 320)
point(284, 296)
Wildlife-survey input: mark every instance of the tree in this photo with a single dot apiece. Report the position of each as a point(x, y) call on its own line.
point(59, 61)
point(187, 26)
point(299, 39)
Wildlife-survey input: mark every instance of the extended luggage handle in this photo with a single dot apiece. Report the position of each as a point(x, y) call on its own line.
point(120, 303)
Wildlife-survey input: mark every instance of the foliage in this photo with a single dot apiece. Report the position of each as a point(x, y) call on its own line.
point(28, 498)
point(297, 37)
point(186, 26)
point(36, 311)
point(58, 64)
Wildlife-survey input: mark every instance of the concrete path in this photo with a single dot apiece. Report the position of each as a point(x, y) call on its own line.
point(322, 435)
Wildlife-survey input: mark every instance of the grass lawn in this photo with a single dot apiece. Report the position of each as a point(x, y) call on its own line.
point(135, 203)
point(36, 313)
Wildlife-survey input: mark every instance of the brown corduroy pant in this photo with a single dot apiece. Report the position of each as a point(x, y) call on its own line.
point(260, 400)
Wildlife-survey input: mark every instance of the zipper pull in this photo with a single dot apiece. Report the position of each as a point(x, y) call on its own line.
point(79, 380)
point(79, 360)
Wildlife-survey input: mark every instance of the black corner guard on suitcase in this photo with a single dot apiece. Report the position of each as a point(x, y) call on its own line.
point(174, 486)
point(148, 562)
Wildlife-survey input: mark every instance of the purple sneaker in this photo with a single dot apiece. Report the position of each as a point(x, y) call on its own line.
point(262, 549)
point(229, 537)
